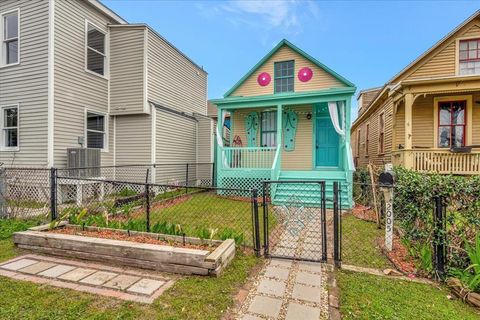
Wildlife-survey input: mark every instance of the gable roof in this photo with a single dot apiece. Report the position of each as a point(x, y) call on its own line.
point(297, 50)
point(435, 46)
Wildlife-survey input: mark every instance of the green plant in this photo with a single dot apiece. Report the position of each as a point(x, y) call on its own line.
point(127, 192)
point(126, 209)
point(231, 234)
point(426, 258)
point(207, 234)
point(470, 276)
point(167, 228)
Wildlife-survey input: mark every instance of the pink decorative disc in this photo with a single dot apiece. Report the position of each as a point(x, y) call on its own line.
point(305, 74)
point(264, 79)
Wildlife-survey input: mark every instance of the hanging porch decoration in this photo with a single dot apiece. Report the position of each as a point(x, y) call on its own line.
point(290, 121)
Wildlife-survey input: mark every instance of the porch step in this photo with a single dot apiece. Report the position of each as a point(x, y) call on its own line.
point(309, 194)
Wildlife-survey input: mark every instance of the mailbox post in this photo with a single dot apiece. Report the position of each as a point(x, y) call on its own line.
point(386, 181)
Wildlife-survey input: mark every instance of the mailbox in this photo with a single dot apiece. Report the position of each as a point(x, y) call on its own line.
point(386, 179)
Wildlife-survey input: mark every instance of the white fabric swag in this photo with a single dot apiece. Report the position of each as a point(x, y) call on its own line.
point(340, 124)
point(220, 124)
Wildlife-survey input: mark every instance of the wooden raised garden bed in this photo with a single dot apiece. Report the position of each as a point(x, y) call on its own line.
point(153, 251)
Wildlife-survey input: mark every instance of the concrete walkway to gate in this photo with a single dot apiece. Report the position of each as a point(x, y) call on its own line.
point(287, 289)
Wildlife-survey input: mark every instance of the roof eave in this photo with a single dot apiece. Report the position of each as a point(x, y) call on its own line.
point(107, 11)
point(299, 51)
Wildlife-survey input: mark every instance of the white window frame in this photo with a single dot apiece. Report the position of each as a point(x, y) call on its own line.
point(105, 128)
point(105, 55)
point(3, 54)
point(2, 128)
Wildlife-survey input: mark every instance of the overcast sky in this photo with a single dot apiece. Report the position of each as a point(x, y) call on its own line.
point(365, 41)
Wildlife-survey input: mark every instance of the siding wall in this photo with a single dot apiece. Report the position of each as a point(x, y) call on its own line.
point(373, 138)
point(320, 80)
point(133, 139)
point(174, 81)
point(75, 89)
point(422, 129)
point(127, 94)
point(176, 145)
point(441, 62)
point(26, 84)
point(298, 159)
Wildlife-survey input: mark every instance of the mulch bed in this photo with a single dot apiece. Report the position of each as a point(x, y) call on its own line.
point(117, 235)
point(399, 256)
point(364, 213)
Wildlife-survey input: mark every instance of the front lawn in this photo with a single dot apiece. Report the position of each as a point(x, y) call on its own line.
point(194, 297)
point(364, 296)
point(360, 243)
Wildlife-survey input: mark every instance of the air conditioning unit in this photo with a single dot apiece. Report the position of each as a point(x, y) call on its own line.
point(86, 161)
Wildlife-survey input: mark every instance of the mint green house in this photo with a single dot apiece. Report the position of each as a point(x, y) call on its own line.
point(289, 120)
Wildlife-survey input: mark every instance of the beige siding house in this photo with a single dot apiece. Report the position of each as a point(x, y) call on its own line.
point(75, 74)
point(426, 118)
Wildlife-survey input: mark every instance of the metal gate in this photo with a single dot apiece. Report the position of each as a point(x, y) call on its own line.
point(294, 220)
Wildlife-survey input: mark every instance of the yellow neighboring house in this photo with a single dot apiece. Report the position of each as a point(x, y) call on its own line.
point(427, 117)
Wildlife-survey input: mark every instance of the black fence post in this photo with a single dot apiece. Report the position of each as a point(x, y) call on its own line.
point(147, 209)
point(336, 226)
point(323, 220)
point(266, 249)
point(256, 226)
point(53, 193)
point(439, 248)
point(186, 179)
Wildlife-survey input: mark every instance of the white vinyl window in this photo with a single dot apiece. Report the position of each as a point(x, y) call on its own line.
point(9, 121)
point(10, 36)
point(96, 56)
point(96, 125)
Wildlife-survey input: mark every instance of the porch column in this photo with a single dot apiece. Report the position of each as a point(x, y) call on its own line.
point(279, 126)
point(277, 160)
point(408, 156)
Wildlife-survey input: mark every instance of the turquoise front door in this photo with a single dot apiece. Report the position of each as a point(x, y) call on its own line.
point(326, 143)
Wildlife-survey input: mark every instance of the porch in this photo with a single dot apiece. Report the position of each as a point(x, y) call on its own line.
point(436, 125)
point(297, 137)
point(440, 161)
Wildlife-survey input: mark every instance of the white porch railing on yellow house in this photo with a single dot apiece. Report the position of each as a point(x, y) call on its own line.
point(440, 161)
point(249, 157)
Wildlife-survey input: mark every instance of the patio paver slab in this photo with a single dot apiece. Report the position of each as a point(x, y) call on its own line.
point(146, 286)
point(306, 293)
point(272, 287)
point(121, 282)
point(19, 264)
point(265, 306)
point(37, 267)
point(56, 271)
point(76, 274)
point(98, 278)
point(296, 310)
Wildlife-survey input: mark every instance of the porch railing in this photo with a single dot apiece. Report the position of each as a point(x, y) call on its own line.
point(440, 161)
point(249, 157)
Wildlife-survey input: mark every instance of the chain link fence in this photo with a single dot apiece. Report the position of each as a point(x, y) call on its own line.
point(27, 192)
point(435, 221)
point(189, 210)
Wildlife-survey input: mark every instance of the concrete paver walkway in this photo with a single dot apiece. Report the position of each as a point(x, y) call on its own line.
point(126, 284)
point(287, 289)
